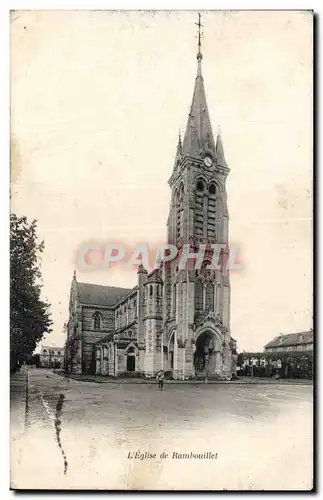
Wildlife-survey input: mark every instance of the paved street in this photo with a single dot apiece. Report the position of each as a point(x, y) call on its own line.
point(79, 434)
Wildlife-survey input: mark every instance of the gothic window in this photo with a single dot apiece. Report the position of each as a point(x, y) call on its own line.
point(199, 296)
point(179, 211)
point(200, 186)
point(97, 321)
point(174, 299)
point(218, 298)
point(181, 194)
point(150, 290)
point(199, 209)
point(211, 212)
point(158, 290)
point(209, 299)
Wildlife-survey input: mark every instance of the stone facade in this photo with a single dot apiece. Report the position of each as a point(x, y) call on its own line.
point(176, 319)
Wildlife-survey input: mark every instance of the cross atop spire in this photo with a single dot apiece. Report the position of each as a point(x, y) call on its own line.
point(199, 53)
point(199, 25)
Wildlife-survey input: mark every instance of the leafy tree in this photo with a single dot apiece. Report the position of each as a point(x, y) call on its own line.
point(29, 314)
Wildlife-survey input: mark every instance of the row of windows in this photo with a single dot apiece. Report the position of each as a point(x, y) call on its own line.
point(129, 305)
point(97, 319)
point(150, 290)
point(52, 352)
point(302, 347)
point(204, 296)
point(199, 219)
point(200, 187)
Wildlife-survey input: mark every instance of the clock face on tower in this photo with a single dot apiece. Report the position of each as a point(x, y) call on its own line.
point(208, 161)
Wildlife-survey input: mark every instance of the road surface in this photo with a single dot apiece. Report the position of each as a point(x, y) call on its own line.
point(84, 435)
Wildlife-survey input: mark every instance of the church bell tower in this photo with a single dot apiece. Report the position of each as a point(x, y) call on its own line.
point(197, 301)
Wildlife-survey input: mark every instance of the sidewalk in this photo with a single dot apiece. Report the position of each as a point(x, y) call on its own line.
point(18, 403)
point(35, 458)
point(100, 379)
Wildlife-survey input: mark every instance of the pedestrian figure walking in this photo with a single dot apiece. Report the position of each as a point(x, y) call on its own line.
point(160, 378)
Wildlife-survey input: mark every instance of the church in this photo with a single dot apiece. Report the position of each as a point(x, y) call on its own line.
point(173, 319)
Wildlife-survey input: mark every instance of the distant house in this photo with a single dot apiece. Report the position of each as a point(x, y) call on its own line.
point(51, 357)
point(301, 341)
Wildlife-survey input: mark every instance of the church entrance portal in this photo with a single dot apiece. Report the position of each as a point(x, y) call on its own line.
point(171, 353)
point(205, 354)
point(131, 360)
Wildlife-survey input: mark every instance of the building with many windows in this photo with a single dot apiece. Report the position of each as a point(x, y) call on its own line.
point(51, 357)
point(301, 341)
point(173, 319)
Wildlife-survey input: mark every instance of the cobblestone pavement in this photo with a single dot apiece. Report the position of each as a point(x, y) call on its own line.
point(79, 435)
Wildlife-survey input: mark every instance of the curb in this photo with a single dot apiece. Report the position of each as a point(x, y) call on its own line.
point(183, 382)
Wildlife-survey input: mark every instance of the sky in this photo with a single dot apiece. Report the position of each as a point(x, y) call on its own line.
point(97, 99)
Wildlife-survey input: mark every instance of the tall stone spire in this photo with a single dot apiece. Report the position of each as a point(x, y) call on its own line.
point(179, 151)
point(198, 136)
point(220, 158)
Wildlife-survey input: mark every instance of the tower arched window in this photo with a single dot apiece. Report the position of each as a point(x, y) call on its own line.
point(218, 297)
point(209, 299)
point(199, 296)
point(150, 290)
point(199, 209)
point(200, 186)
point(179, 210)
point(97, 321)
point(211, 212)
point(181, 193)
point(174, 299)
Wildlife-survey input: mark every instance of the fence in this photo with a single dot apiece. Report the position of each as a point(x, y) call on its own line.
point(280, 364)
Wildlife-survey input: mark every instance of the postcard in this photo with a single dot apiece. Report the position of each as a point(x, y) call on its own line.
point(161, 250)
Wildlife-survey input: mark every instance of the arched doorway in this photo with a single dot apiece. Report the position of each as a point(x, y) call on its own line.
point(206, 356)
point(171, 352)
point(131, 359)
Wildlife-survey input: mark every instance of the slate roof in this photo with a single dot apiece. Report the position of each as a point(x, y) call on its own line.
point(198, 130)
point(100, 295)
point(54, 349)
point(292, 339)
